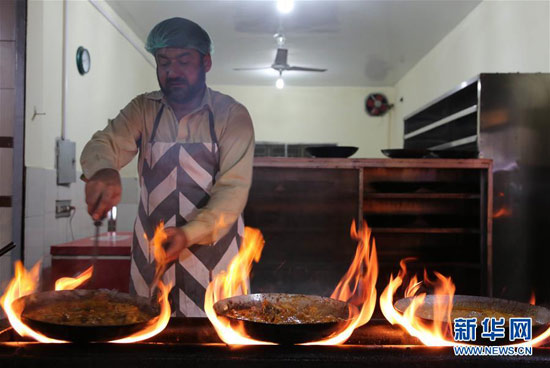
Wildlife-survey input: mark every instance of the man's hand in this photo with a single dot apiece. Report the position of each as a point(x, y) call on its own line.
point(176, 242)
point(103, 191)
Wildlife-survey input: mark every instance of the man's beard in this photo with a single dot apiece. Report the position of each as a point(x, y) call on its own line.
point(182, 92)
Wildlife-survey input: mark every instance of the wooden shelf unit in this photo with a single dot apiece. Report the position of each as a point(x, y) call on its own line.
point(433, 209)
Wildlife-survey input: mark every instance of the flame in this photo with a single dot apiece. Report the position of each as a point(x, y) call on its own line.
point(234, 282)
point(159, 253)
point(435, 334)
point(439, 332)
point(23, 283)
point(71, 283)
point(503, 212)
point(157, 324)
point(357, 287)
point(533, 298)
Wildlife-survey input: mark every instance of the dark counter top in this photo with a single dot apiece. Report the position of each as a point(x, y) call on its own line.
point(193, 342)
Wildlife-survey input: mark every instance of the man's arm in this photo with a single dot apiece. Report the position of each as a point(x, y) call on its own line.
point(230, 193)
point(107, 152)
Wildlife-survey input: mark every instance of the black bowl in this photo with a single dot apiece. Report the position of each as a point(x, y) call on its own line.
point(407, 153)
point(332, 151)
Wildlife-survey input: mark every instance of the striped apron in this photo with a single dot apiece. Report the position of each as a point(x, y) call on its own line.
point(176, 180)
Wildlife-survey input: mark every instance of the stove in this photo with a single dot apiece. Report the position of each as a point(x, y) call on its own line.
point(192, 342)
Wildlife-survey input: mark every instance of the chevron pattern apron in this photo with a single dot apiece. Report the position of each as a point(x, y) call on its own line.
point(176, 180)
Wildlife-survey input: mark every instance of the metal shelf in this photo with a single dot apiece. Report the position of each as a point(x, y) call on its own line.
point(456, 143)
point(446, 120)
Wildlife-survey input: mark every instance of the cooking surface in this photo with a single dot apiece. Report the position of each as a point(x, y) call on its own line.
point(194, 341)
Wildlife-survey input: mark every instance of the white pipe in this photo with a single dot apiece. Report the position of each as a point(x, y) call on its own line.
point(64, 77)
point(127, 34)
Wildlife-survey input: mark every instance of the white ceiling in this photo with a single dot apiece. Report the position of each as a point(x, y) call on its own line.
point(361, 42)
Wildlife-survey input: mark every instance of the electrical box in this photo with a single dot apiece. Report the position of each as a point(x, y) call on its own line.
point(66, 161)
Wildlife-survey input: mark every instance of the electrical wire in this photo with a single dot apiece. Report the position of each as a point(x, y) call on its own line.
point(72, 209)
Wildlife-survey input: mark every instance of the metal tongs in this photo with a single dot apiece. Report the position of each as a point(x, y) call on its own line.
point(95, 251)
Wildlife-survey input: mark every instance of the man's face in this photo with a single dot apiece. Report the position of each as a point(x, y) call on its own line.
point(181, 72)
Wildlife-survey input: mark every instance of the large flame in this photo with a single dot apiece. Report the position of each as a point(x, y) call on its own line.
point(358, 286)
point(234, 282)
point(159, 238)
point(23, 283)
point(437, 333)
point(157, 324)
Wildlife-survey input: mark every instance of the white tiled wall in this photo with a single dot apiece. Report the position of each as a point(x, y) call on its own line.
point(42, 229)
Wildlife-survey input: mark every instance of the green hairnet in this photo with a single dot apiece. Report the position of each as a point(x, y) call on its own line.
point(178, 33)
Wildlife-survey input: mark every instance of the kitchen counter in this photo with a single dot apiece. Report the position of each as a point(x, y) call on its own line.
point(355, 163)
point(193, 341)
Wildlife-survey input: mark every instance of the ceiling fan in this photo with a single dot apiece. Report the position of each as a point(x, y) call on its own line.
point(281, 64)
point(281, 60)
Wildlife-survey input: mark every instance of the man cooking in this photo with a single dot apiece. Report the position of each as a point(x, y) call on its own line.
point(196, 149)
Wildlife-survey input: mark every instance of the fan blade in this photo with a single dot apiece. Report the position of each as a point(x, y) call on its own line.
point(260, 68)
point(281, 57)
point(304, 69)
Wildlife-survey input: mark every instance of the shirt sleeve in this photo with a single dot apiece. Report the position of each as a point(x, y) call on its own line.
point(230, 192)
point(116, 145)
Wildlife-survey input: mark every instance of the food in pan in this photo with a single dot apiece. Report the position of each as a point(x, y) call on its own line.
point(466, 312)
point(465, 306)
point(479, 313)
point(282, 313)
point(98, 310)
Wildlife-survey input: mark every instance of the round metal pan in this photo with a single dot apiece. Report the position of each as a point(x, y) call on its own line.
point(83, 333)
point(484, 306)
point(286, 333)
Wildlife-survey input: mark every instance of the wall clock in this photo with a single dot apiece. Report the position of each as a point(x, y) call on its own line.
point(83, 60)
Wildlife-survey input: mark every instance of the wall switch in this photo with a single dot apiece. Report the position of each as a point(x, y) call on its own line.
point(62, 208)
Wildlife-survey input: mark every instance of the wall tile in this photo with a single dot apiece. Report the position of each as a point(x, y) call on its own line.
point(63, 191)
point(35, 192)
point(7, 111)
point(7, 64)
point(50, 180)
point(51, 231)
point(82, 224)
point(34, 240)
